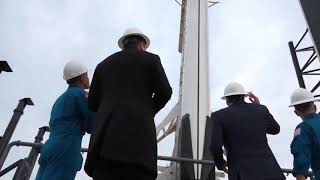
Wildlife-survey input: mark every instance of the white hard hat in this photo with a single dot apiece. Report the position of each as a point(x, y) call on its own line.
point(232, 89)
point(300, 96)
point(73, 69)
point(131, 32)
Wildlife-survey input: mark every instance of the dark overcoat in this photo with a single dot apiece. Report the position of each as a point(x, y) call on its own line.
point(128, 88)
point(241, 128)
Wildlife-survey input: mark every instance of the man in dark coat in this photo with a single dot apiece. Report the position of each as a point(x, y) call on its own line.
point(127, 90)
point(241, 128)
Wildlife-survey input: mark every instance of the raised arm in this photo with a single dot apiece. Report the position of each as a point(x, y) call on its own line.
point(272, 125)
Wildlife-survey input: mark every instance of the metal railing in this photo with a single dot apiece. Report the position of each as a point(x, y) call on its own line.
point(25, 166)
point(18, 112)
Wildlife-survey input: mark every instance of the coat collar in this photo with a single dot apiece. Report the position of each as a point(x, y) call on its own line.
point(310, 116)
point(74, 86)
point(239, 103)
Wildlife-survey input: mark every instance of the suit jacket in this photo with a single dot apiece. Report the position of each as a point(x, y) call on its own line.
point(241, 128)
point(128, 88)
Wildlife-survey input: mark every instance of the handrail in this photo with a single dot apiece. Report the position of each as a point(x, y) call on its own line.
point(176, 159)
point(9, 168)
point(164, 158)
point(16, 143)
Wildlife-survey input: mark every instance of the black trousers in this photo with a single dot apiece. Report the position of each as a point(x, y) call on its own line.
point(115, 170)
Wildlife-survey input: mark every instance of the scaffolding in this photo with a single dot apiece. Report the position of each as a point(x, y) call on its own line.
point(302, 67)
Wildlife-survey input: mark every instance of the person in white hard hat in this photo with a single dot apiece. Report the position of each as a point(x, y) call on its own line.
point(305, 146)
point(134, 38)
point(241, 128)
point(60, 156)
point(128, 89)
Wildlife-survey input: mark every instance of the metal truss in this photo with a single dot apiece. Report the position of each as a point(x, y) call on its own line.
point(212, 3)
point(168, 125)
point(178, 2)
point(24, 167)
point(305, 71)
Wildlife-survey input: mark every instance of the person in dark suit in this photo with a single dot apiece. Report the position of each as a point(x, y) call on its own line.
point(241, 128)
point(127, 90)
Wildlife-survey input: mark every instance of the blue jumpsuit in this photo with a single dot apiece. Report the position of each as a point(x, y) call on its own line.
point(305, 146)
point(60, 157)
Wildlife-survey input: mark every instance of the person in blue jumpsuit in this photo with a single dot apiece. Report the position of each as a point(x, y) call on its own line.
point(60, 157)
point(305, 146)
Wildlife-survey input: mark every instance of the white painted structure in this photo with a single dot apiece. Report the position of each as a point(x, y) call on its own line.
point(194, 83)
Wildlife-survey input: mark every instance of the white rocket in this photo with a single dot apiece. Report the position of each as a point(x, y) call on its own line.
point(188, 118)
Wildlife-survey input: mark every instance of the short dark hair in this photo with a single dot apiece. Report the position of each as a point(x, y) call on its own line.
point(132, 41)
point(73, 80)
point(303, 107)
point(234, 99)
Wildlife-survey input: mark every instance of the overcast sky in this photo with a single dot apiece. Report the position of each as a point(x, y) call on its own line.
point(248, 43)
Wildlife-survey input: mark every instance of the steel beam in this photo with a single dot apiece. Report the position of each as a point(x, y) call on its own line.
point(13, 123)
point(311, 13)
point(34, 153)
point(296, 65)
point(11, 167)
point(16, 143)
point(22, 170)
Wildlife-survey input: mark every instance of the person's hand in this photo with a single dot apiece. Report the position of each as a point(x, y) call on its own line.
point(300, 177)
point(225, 167)
point(253, 98)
